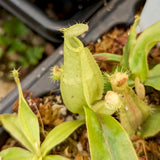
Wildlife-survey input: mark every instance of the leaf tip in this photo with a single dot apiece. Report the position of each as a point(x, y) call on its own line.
point(15, 73)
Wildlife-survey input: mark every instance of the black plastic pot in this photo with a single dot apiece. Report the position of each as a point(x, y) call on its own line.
point(38, 20)
point(115, 13)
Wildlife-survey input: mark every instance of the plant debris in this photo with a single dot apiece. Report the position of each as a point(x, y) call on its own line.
point(111, 42)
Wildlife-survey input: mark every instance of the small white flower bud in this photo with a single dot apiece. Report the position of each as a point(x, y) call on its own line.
point(110, 105)
point(118, 78)
point(113, 100)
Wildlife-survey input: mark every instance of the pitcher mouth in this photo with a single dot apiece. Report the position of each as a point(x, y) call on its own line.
point(74, 44)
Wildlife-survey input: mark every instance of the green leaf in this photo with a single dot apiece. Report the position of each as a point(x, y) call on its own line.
point(98, 144)
point(27, 119)
point(11, 124)
point(38, 51)
point(15, 153)
point(59, 134)
point(109, 57)
point(17, 46)
point(54, 157)
point(153, 79)
point(118, 140)
point(34, 54)
point(130, 44)
point(11, 65)
point(5, 41)
point(15, 27)
point(138, 55)
point(28, 122)
point(151, 126)
point(24, 62)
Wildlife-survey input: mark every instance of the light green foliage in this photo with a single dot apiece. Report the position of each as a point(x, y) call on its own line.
point(80, 71)
point(25, 128)
point(82, 86)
